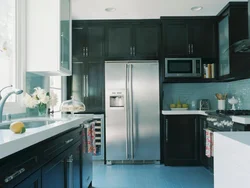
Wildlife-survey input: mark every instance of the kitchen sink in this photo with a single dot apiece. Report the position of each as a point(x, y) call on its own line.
point(28, 123)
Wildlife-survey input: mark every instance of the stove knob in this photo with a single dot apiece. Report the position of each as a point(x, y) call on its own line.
point(220, 125)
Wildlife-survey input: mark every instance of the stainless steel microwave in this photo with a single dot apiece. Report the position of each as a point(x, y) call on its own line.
point(182, 67)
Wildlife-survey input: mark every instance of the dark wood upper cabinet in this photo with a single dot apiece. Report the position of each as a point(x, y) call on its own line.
point(233, 27)
point(119, 41)
point(78, 43)
point(95, 41)
point(189, 37)
point(146, 41)
point(87, 41)
point(181, 140)
point(175, 38)
point(133, 40)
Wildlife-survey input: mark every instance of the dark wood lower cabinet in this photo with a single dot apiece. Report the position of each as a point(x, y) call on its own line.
point(181, 140)
point(203, 157)
point(33, 181)
point(63, 169)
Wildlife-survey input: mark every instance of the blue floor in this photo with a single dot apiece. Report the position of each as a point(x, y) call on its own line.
point(150, 176)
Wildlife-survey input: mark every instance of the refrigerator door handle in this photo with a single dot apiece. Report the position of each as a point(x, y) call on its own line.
point(126, 112)
point(131, 110)
point(84, 86)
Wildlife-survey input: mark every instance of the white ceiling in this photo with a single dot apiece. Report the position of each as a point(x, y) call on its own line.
point(143, 9)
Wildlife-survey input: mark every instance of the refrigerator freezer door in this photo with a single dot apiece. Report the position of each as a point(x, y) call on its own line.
point(146, 113)
point(116, 112)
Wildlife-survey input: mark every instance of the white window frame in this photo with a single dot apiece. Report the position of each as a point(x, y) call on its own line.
point(20, 59)
point(61, 89)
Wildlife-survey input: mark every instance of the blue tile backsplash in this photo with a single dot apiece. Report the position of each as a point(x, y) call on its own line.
point(194, 91)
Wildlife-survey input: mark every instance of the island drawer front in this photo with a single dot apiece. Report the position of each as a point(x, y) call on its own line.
point(57, 145)
point(18, 168)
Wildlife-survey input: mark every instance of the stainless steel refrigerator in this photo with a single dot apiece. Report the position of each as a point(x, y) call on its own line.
point(132, 111)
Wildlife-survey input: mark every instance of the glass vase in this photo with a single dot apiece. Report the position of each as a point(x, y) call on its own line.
point(42, 110)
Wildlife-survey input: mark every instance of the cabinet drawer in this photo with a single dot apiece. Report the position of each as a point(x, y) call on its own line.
point(55, 146)
point(17, 168)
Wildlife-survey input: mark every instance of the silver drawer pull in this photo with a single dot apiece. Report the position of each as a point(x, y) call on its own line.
point(17, 173)
point(68, 141)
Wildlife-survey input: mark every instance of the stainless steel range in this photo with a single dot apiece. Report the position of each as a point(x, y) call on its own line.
point(221, 120)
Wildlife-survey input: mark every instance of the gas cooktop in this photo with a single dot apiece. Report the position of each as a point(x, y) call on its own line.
point(233, 112)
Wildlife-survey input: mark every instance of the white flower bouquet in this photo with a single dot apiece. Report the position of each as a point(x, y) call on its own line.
point(40, 99)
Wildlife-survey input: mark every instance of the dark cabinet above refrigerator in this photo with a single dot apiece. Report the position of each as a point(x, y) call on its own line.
point(132, 40)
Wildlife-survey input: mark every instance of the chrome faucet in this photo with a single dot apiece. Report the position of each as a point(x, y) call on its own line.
point(3, 100)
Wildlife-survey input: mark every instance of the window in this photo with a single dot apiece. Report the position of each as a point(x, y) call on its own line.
point(12, 51)
point(56, 87)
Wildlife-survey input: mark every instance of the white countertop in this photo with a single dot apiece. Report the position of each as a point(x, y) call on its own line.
point(241, 119)
point(239, 136)
point(184, 112)
point(11, 143)
point(236, 119)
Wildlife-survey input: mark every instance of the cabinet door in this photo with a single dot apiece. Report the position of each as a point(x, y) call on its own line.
point(33, 181)
point(74, 167)
point(65, 34)
point(203, 125)
point(78, 43)
point(181, 140)
point(224, 59)
point(95, 42)
point(146, 41)
point(55, 171)
point(175, 36)
point(94, 82)
point(202, 38)
point(119, 42)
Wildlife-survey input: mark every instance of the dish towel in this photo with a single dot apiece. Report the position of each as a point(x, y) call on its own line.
point(91, 138)
point(209, 143)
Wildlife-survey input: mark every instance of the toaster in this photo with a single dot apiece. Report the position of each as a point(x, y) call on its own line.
point(204, 104)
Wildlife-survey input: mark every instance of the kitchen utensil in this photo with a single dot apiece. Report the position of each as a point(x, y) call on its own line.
point(219, 96)
point(204, 104)
point(233, 101)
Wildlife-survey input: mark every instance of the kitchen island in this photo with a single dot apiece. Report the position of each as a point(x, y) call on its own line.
point(231, 156)
point(54, 152)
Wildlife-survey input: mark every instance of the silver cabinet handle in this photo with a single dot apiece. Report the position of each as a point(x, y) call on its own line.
point(83, 52)
point(68, 141)
point(131, 51)
point(62, 48)
point(87, 52)
point(70, 159)
point(166, 130)
point(70, 173)
point(192, 48)
point(126, 112)
point(131, 111)
point(87, 86)
point(84, 86)
point(11, 177)
point(134, 51)
point(188, 48)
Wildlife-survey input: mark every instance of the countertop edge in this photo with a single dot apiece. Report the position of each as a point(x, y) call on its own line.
point(21, 143)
